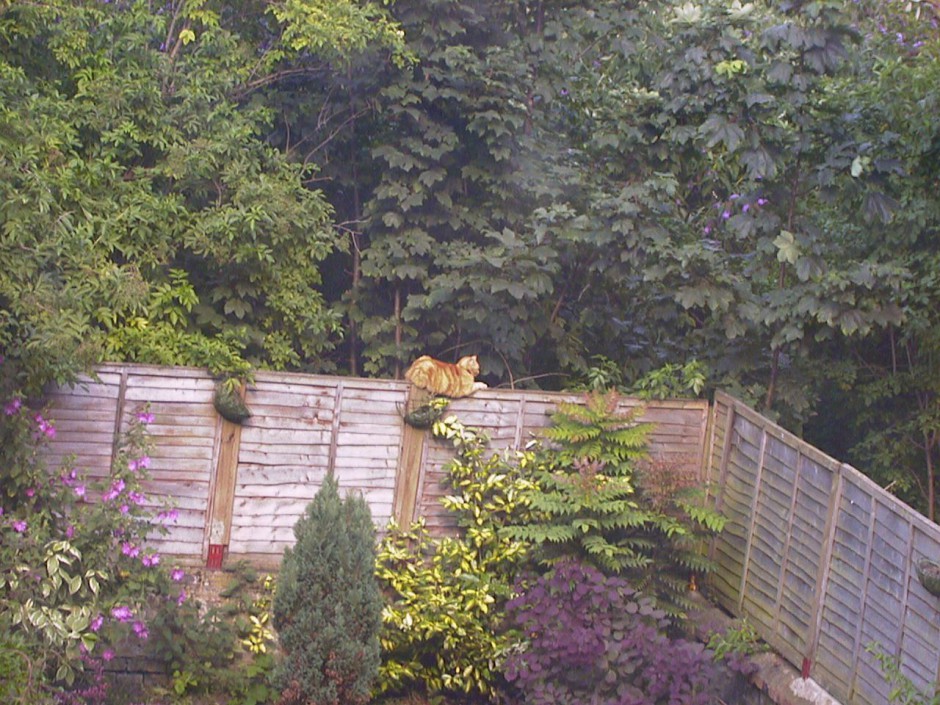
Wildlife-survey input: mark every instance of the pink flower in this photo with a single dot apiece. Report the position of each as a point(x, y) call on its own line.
point(136, 497)
point(70, 532)
point(19, 526)
point(150, 560)
point(145, 417)
point(116, 488)
point(122, 613)
point(182, 598)
point(140, 629)
point(171, 515)
point(129, 549)
point(44, 426)
point(107, 655)
point(96, 623)
point(125, 509)
point(30, 491)
point(177, 574)
point(80, 490)
point(12, 407)
point(140, 463)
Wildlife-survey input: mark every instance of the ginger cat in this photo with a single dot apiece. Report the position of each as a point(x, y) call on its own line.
point(444, 378)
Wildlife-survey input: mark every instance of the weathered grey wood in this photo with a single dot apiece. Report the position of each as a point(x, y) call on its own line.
point(752, 520)
point(824, 569)
point(408, 469)
point(334, 429)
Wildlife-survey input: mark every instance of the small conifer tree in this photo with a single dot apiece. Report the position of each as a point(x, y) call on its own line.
point(327, 609)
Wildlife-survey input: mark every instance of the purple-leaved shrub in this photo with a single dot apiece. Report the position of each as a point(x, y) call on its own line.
point(593, 639)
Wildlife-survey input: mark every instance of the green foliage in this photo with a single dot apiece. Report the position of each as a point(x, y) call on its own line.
point(595, 431)
point(74, 571)
point(598, 498)
point(327, 608)
point(18, 677)
point(672, 381)
point(446, 596)
point(219, 649)
point(903, 690)
point(145, 215)
point(741, 639)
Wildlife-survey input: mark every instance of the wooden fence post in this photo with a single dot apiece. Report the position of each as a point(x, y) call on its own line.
point(758, 478)
point(822, 573)
point(407, 475)
point(222, 496)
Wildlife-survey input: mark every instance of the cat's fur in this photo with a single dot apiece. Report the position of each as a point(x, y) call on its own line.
point(444, 378)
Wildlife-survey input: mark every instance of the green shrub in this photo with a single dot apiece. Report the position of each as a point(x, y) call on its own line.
point(596, 496)
point(327, 607)
point(75, 573)
point(223, 649)
point(443, 624)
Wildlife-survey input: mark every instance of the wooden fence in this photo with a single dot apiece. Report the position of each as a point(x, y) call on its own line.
point(815, 555)
point(239, 489)
point(820, 559)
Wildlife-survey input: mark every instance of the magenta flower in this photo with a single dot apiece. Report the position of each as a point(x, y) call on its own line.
point(79, 490)
point(122, 613)
point(44, 426)
point(107, 655)
point(762, 201)
point(725, 215)
point(70, 532)
point(150, 560)
point(19, 526)
point(96, 623)
point(140, 629)
point(181, 599)
point(30, 491)
point(171, 515)
point(116, 488)
point(125, 509)
point(177, 574)
point(136, 497)
point(129, 549)
point(140, 463)
point(145, 417)
point(12, 407)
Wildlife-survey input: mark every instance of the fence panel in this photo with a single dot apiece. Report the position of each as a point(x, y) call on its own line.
point(820, 558)
point(302, 427)
point(512, 418)
point(92, 415)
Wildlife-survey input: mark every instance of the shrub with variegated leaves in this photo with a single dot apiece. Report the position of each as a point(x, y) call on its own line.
point(76, 576)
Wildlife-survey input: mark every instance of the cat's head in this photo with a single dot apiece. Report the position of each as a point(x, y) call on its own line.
point(470, 364)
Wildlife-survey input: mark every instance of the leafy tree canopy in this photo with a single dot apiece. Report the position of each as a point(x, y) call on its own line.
point(143, 213)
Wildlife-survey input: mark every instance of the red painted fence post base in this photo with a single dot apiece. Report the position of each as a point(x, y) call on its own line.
point(214, 559)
